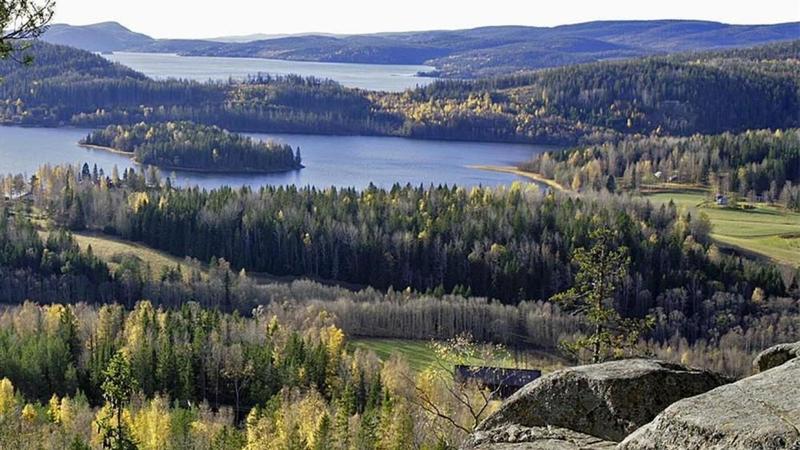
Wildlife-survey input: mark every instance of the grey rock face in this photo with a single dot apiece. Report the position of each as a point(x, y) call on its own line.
point(775, 356)
point(760, 412)
point(515, 437)
point(608, 400)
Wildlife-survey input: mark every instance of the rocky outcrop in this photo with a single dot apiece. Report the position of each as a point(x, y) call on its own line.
point(515, 437)
point(608, 400)
point(775, 356)
point(759, 412)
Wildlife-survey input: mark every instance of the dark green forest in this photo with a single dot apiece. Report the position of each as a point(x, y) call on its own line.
point(512, 244)
point(187, 146)
point(704, 295)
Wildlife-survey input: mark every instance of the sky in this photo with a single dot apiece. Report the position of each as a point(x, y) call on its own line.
point(208, 18)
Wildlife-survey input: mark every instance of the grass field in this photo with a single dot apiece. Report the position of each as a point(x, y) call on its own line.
point(767, 231)
point(417, 353)
point(420, 356)
point(110, 248)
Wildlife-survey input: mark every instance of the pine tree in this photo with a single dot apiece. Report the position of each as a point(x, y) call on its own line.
point(298, 160)
point(323, 438)
point(118, 388)
point(601, 271)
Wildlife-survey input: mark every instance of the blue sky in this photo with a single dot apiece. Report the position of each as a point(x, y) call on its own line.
point(203, 18)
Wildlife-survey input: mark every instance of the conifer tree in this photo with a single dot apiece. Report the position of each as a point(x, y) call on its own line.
point(601, 271)
point(118, 388)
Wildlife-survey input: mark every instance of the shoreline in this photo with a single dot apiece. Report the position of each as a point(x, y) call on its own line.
point(187, 169)
point(538, 178)
point(110, 150)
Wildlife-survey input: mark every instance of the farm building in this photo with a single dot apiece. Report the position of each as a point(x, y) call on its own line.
point(502, 381)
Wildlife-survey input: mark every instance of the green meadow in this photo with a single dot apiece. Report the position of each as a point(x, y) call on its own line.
point(760, 229)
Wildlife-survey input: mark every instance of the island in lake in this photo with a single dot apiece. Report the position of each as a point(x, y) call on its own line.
point(194, 147)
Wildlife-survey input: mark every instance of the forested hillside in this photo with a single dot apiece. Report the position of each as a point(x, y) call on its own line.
point(679, 95)
point(187, 146)
point(756, 163)
point(268, 363)
point(585, 103)
point(97, 37)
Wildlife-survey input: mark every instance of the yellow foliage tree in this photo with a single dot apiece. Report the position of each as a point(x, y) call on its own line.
point(8, 402)
point(151, 425)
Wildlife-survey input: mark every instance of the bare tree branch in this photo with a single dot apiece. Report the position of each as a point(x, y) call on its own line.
point(21, 21)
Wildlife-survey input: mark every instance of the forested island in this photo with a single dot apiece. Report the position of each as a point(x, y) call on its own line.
point(188, 146)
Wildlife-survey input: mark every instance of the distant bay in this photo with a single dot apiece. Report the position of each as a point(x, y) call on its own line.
point(376, 77)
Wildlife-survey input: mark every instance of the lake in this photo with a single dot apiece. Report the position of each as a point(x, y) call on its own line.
point(377, 77)
point(341, 161)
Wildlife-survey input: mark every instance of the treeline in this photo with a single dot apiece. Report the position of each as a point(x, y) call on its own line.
point(185, 145)
point(777, 56)
point(584, 103)
point(65, 82)
point(761, 163)
point(67, 86)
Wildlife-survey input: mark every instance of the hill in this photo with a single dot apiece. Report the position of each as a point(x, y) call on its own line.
point(455, 53)
point(99, 37)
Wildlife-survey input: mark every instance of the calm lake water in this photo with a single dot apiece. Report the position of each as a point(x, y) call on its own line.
point(341, 161)
point(378, 77)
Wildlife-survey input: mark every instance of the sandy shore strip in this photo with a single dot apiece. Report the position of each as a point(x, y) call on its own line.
point(530, 175)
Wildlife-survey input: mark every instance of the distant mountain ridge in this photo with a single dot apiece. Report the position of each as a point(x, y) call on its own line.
point(456, 53)
point(266, 36)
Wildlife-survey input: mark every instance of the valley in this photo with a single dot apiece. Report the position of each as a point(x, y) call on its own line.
point(374, 77)
point(574, 233)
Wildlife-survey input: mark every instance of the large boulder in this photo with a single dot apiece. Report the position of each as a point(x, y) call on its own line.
point(608, 400)
point(775, 356)
point(760, 412)
point(515, 437)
